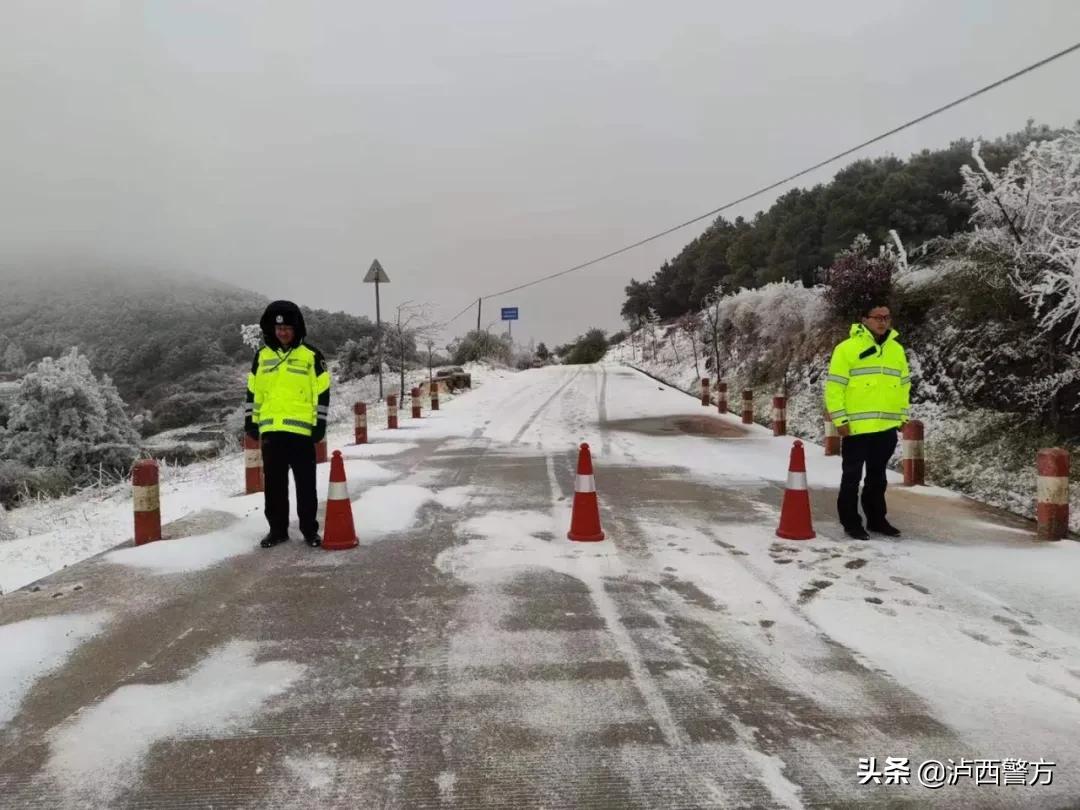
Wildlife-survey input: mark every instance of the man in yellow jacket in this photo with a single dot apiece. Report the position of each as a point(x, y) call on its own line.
point(288, 397)
point(867, 394)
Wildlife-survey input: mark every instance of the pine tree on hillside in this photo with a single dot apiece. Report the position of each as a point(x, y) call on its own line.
point(807, 229)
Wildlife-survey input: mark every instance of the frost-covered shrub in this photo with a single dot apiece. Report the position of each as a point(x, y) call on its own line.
point(763, 334)
point(855, 283)
point(477, 346)
point(63, 416)
point(356, 359)
point(234, 421)
point(13, 476)
point(251, 335)
point(19, 481)
point(589, 348)
point(14, 358)
point(1030, 214)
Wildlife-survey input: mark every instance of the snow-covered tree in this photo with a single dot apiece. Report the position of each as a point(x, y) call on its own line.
point(14, 358)
point(856, 280)
point(63, 416)
point(412, 326)
point(714, 324)
point(479, 345)
point(894, 252)
point(356, 358)
point(690, 325)
point(251, 334)
point(214, 355)
point(652, 326)
point(1029, 213)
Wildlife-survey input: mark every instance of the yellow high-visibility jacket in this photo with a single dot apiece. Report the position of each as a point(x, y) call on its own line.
point(288, 390)
point(869, 384)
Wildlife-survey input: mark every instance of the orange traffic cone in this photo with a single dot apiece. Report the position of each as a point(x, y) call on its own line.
point(795, 523)
point(585, 519)
point(339, 532)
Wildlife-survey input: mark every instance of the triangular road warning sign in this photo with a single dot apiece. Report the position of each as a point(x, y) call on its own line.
point(376, 273)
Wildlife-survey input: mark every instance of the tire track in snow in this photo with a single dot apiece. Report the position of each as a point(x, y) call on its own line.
point(404, 757)
point(601, 408)
point(643, 681)
point(543, 406)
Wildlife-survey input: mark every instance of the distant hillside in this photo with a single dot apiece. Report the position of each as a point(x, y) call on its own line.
point(171, 344)
point(805, 228)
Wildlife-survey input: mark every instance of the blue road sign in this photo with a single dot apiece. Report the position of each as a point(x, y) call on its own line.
point(509, 313)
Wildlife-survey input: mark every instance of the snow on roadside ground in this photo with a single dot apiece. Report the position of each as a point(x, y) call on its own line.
point(378, 511)
point(49, 535)
point(194, 553)
point(86, 527)
point(988, 637)
point(99, 752)
point(393, 508)
point(36, 647)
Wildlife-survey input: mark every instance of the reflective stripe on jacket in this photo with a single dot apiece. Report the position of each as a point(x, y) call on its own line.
point(288, 390)
point(869, 385)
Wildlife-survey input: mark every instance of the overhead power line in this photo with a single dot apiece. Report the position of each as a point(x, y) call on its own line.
point(469, 306)
point(778, 183)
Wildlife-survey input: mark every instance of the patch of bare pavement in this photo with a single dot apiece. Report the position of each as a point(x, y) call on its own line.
point(479, 659)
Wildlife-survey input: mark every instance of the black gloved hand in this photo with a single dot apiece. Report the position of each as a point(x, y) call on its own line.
point(252, 434)
point(318, 434)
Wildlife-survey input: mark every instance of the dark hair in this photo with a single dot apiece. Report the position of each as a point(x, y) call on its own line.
point(872, 304)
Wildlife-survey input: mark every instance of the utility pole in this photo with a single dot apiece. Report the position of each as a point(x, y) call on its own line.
point(479, 305)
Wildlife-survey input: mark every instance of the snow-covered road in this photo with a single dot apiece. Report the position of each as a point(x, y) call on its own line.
point(468, 655)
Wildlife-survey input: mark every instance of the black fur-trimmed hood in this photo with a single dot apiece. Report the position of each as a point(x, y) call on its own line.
point(282, 312)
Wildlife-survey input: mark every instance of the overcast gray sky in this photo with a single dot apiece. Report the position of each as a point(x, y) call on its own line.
point(469, 145)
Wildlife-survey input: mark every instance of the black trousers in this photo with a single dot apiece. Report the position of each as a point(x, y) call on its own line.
point(872, 450)
point(281, 452)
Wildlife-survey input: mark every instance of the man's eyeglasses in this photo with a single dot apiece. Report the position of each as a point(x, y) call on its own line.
point(879, 318)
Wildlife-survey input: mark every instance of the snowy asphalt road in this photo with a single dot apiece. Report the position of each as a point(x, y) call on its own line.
point(476, 658)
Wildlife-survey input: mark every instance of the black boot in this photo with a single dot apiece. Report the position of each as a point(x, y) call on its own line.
point(272, 540)
point(884, 527)
point(856, 533)
point(313, 539)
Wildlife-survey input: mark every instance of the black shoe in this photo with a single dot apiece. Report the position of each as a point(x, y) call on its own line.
point(313, 540)
point(884, 527)
point(272, 540)
point(856, 532)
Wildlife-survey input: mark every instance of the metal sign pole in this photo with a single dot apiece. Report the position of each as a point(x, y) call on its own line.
point(374, 276)
point(378, 334)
